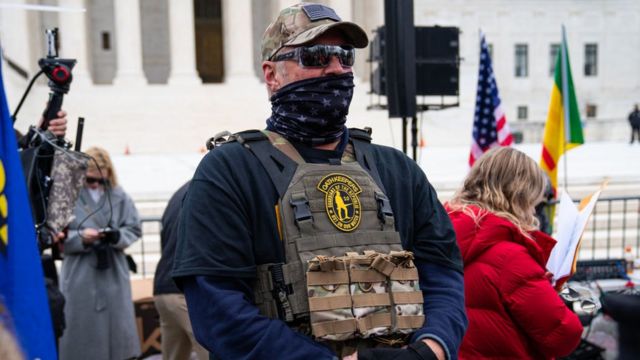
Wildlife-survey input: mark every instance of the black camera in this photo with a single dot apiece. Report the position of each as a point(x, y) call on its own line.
point(109, 235)
point(59, 73)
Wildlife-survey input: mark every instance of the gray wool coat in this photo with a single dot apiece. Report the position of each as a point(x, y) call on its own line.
point(99, 309)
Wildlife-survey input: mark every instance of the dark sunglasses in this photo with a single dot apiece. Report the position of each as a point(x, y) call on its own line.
point(92, 180)
point(319, 55)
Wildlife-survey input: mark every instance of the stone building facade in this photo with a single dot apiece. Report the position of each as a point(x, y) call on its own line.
point(137, 57)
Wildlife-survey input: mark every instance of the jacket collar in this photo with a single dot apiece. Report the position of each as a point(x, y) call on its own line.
point(492, 229)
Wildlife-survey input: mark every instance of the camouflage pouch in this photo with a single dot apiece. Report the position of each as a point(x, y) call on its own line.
point(369, 292)
point(68, 172)
point(405, 293)
point(329, 299)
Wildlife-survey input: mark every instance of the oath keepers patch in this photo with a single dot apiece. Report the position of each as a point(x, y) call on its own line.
point(341, 201)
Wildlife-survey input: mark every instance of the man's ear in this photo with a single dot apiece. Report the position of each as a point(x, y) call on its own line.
point(269, 74)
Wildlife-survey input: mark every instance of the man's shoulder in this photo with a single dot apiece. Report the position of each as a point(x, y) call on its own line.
point(389, 157)
point(227, 150)
point(223, 159)
point(383, 150)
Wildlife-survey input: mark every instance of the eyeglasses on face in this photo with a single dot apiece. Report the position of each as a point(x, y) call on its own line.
point(92, 180)
point(318, 56)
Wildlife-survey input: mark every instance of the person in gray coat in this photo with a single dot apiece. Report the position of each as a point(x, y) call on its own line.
point(95, 276)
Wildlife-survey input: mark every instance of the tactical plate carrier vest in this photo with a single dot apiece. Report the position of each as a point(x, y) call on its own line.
point(345, 276)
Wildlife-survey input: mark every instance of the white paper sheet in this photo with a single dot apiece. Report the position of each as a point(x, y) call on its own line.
point(570, 226)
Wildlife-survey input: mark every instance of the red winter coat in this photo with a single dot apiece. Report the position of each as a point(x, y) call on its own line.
point(513, 311)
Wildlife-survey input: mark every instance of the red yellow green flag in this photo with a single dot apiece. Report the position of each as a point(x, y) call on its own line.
point(563, 129)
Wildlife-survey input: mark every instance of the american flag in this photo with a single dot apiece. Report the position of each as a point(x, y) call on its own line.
point(490, 127)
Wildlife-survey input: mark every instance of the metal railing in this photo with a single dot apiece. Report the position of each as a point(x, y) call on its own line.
point(151, 225)
point(613, 225)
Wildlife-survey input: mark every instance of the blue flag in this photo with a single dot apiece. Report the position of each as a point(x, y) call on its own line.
point(22, 287)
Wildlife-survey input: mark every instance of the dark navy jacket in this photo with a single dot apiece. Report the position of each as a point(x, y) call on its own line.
point(229, 226)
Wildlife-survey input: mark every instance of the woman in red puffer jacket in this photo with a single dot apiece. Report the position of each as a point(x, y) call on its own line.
point(513, 311)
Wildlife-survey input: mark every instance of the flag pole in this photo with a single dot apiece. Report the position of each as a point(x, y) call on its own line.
point(565, 103)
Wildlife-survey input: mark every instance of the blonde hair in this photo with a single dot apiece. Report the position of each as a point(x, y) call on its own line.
point(506, 182)
point(102, 163)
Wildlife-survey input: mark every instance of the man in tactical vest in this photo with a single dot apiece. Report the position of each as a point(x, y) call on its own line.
point(305, 240)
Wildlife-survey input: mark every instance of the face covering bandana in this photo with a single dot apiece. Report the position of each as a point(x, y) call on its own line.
point(312, 111)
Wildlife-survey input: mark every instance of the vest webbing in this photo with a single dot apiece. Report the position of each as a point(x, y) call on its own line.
point(281, 165)
point(307, 230)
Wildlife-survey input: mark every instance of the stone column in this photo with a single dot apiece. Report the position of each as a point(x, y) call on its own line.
point(21, 40)
point(369, 15)
point(238, 40)
point(182, 43)
point(73, 40)
point(129, 43)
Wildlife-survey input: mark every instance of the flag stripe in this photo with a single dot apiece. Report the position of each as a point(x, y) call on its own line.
point(490, 127)
point(563, 129)
point(548, 160)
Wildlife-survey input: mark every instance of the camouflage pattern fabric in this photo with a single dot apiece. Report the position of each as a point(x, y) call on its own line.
point(363, 264)
point(398, 311)
point(325, 291)
point(68, 173)
point(301, 23)
point(404, 260)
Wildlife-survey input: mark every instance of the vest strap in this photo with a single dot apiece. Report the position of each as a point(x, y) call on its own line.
point(404, 274)
point(370, 300)
point(366, 276)
point(278, 166)
point(334, 327)
point(362, 150)
point(373, 321)
point(347, 240)
point(281, 292)
point(329, 303)
point(385, 213)
point(409, 321)
point(410, 297)
point(302, 212)
point(383, 265)
point(327, 277)
point(249, 136)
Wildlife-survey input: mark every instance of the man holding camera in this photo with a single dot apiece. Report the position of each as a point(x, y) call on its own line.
point(264, 204)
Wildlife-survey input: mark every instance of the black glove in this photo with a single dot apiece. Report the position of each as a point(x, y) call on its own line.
point(416, 351)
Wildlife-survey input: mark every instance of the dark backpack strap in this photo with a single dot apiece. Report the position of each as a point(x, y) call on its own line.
point(278, 165)
point(361, 140)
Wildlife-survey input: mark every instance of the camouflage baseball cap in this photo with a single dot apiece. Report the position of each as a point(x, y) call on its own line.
point(301, 23)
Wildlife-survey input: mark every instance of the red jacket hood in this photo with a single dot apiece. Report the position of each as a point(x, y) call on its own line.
point(491, 229)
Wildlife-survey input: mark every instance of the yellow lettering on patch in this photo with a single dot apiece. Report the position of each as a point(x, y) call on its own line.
point(341, 201)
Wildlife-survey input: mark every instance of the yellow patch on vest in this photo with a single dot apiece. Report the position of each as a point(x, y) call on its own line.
point(341, 201)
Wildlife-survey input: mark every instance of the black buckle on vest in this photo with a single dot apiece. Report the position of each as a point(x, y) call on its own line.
point(384, 207)
point(280, 292)
point(250, 135)
point(301, 209)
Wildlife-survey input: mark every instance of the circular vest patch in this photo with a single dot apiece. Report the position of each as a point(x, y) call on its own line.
point(341, 201)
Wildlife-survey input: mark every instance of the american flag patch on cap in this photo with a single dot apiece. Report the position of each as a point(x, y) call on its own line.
point(317, 12)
